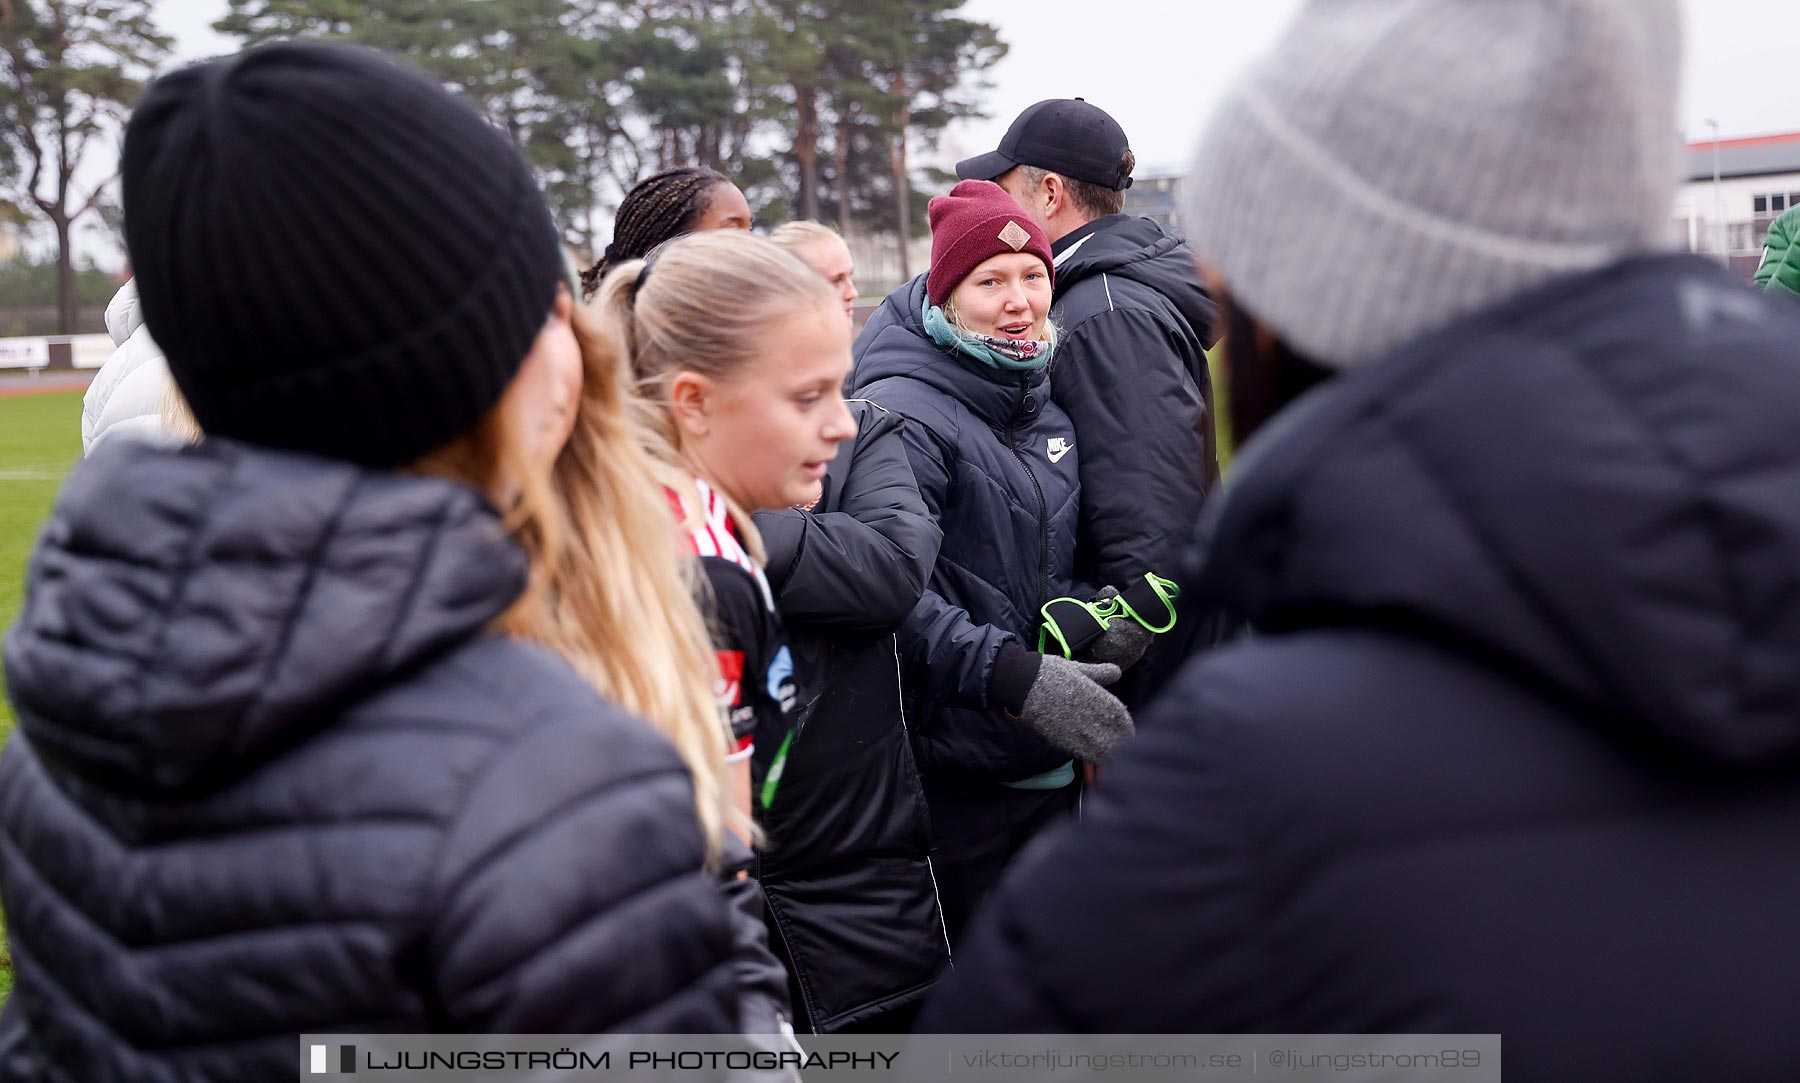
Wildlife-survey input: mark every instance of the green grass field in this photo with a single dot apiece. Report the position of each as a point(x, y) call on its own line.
point(40, 438)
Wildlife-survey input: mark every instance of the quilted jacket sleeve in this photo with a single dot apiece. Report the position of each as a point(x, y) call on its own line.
point(1145, 440)
point(951, 654)
point(570, 896)
point(860, 560)
point(761, 980)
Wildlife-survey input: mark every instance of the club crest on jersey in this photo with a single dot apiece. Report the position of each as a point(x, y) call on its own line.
point(781, 680)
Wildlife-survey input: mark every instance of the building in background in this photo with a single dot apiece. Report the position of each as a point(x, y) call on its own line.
point(1759, 178)
point(1155, 192)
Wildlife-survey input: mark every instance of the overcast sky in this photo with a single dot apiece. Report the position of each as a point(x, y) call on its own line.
point(1159, 66)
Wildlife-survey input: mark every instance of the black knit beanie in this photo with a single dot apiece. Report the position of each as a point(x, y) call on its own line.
point(336, 254)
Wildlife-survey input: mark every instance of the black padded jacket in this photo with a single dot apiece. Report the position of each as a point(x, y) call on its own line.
point(852, 897)
point(1517, 747)
point(273, 776)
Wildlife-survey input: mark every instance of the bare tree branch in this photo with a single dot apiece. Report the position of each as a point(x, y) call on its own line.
point(93, 200)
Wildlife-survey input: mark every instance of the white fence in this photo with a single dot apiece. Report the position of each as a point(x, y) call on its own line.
point(40, 352)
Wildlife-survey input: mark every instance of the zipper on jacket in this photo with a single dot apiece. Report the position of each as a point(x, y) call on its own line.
point(930, 870)
point(1043, 509)
point(793, 963)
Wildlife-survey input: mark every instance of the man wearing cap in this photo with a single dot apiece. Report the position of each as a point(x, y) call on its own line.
point(1131, 362)
point(1516, 748)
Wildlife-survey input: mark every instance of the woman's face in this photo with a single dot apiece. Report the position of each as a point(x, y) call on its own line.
point(726, 208)
point(765, 435)
point(1007, 296)
point(545, 395)
point(831, 260)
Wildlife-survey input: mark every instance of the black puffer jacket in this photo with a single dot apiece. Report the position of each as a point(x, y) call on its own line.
point(980, 442)
point(1131, 372)
point(1516, 750)
point(271, 777)
point(851, 894)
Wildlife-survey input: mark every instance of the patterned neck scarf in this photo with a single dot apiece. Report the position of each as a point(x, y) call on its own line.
point(1005, 354)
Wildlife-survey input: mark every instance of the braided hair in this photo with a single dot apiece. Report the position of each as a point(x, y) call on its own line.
point(658, 208)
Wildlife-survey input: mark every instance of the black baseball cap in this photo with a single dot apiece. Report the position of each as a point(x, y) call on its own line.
point(1062, 135)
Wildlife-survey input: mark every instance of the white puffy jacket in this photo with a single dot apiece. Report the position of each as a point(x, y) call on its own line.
point(128, 393)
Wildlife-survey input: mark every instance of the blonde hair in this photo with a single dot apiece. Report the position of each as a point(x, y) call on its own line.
point(608, 589)
point(624, 611)
point(707, 303)
point(177, 417)
point(794, 236)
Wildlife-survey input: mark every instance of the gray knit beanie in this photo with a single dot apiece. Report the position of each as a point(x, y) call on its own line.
point(1394, 164)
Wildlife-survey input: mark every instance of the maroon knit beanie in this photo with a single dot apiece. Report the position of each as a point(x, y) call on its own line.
point(976, 221)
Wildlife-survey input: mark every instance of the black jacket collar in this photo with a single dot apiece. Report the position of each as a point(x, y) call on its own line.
point(1071, 239)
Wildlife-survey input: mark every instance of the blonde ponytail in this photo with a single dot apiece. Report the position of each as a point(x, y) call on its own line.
point(608, 588)
point(621, 604)
point(707, 304)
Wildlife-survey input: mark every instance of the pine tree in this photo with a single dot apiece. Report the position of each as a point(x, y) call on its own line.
point(902, 68)
point(72, 67)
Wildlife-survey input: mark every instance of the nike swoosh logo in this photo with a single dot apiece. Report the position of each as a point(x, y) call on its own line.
point(1057, 448)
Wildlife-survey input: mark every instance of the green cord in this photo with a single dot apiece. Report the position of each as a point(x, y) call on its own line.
point(1165, 589)
point(773, 778)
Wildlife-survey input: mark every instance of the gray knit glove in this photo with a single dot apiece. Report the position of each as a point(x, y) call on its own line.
point(1068, 708)
point(1123, 642)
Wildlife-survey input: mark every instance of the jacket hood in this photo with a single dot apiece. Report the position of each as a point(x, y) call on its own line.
point(188, 610)
point(123, 316)
point(128, 393)
point(1140, 250)
point(894, 343)
point(1591, 487)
